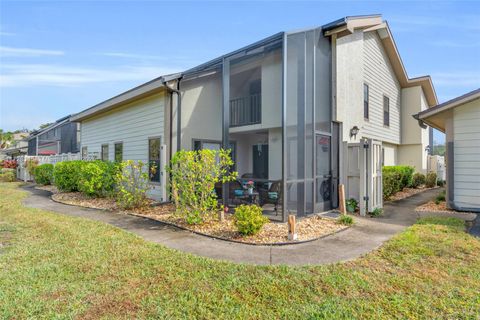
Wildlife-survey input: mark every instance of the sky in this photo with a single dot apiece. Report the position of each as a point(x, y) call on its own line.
point(58, 58)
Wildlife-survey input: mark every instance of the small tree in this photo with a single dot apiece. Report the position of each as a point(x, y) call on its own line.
point(132, 184)
point(193, 175)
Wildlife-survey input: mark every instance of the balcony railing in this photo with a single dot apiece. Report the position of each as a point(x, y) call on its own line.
point(246, 110)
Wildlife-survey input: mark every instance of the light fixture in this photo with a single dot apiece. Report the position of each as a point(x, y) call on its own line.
point(354, 131)
point(427, 149)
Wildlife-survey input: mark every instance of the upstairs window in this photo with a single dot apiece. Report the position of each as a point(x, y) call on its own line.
point(154, 159)
point(386, 111)
point(104, 155)
point(365, 101)
point(118, 152)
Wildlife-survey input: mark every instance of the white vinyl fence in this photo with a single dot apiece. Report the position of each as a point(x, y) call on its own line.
point(437, 164)
point(22, 172)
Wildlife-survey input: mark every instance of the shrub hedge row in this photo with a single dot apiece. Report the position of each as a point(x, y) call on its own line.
point(43, 174)
point(395, 178)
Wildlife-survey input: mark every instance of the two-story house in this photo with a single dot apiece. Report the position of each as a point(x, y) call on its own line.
point(62, 136)
point(301, 111)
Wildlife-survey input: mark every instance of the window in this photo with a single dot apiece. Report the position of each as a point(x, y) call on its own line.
point(386, 111)
point(104, 154)
point(154, 159)
point(216, 145)
point(365, 101)
point(84, 153)
point(118, 152)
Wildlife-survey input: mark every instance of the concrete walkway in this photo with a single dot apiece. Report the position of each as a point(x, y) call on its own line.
point(366, 235)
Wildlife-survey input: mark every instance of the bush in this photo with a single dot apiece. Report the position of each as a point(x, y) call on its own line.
point(10, 164)
point(345, 219)
point(8, 175)
point(97, 178)
point(351, 205)
point(431, 180)
point(132, 184)
point(440, 197)
point(193, 178)
point(395, 178)
point(44, 174)
point(440, 183)
point(30, 165)
point(418, 180)
point(249, 219)
point(391, 183)
point(376, 212)
point(66, 175)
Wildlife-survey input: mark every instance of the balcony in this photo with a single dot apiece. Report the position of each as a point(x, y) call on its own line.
point(246, 110)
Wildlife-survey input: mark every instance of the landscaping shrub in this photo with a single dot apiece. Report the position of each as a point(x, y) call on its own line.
point(391, 183)
point(249, 219)
point(66, 175)
point(97, 178)
point(440, 183)
point(440, 197)
point(10, 164)
point(351, 205)
point(132, 184)
point(43, 174)
point(418, 180)
point(345, 219)
point(431, 180)
point(30, 165)
point(395, 178)
point(193, 178)
point(376, 212)
point(8, 175)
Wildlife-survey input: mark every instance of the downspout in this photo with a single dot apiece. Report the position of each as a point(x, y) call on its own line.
point(179, 113)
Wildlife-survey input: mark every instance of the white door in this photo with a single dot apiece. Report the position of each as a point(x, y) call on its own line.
point(375, 175)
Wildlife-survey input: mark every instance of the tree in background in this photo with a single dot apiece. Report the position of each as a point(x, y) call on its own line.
point(6, 139)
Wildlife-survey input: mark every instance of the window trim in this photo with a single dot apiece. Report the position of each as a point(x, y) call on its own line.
point(101, 151)
point(159, 182)
point(366, 85)
point(233, 142)
point(84, 154)
point(114, 151)
point(387, 124)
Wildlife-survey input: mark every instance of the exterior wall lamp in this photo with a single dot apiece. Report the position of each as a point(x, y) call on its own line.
point(354, 131)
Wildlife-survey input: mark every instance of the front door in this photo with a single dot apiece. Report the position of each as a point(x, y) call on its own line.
point(260, 161)
point(323, 175)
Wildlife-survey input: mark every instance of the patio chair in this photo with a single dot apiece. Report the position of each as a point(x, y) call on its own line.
point(272, 195)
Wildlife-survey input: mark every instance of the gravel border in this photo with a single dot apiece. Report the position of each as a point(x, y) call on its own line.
point(267, 244)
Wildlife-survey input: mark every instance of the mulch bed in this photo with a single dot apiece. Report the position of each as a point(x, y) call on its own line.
point(408, 192)
point(308, 228)
point(431, 206)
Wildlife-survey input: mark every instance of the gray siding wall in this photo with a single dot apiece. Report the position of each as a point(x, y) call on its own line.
point(466, 135)
point(379, 75)
point(133, 124)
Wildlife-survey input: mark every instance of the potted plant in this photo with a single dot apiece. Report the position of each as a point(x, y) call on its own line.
point(351, 205)
point(250, 186)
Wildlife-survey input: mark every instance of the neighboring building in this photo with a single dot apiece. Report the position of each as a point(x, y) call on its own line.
point(62, 136)
point(298, 110)
point(17, 147)
point(459, 119)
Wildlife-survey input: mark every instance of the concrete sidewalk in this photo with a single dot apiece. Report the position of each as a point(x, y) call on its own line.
point(366, 235)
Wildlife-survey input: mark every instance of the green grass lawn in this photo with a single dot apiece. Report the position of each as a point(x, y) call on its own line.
point(54, 266)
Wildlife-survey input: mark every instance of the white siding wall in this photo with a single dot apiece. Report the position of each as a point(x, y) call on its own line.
point(380, 77)
point(466, 135)
point(360, 59)
point(132, 124)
